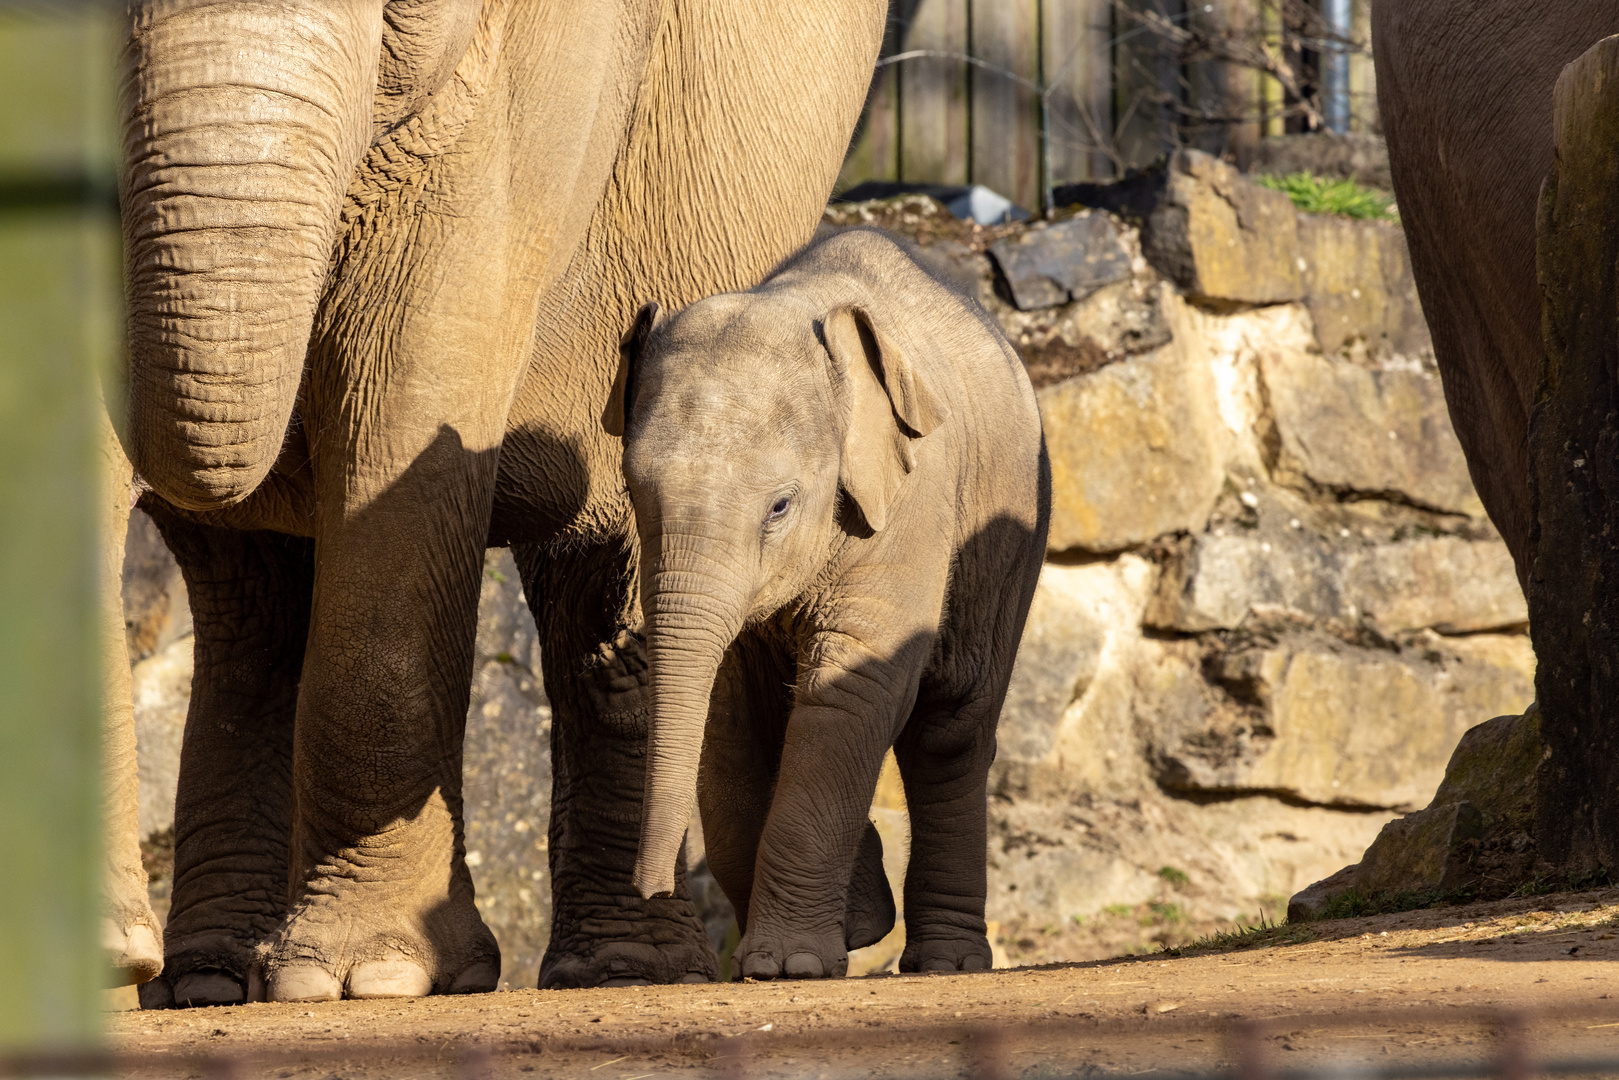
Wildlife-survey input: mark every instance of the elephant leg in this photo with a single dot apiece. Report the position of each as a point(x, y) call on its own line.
point(380, 900)
point(741, 750)
point(250, 596)
point(944, 755)
point(833, 752)
point(869, 913)
point(130, 934)
point(602, 931)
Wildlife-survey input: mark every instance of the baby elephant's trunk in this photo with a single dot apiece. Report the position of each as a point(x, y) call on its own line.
point(687, 634)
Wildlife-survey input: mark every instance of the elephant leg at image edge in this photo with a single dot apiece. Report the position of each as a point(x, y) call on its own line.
point(602, 931)
point(250, 596)
point(131, 938)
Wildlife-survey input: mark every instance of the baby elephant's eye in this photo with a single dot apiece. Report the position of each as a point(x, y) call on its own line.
point(779, 508)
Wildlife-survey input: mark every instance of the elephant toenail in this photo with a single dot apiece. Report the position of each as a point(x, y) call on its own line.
point(302, 982)
point(938, 963)
point(141, 959)
point(804, 965)
point(627, 980)
point(974, 963)
point(388, 979)
point(208, 988)
point(694, 977)
point(479, 978)
point(155, 995)
point(760, 966)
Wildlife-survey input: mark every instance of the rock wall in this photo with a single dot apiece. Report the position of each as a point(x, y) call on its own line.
point(1271, 607)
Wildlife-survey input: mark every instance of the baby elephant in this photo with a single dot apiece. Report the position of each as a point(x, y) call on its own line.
point(842, 491)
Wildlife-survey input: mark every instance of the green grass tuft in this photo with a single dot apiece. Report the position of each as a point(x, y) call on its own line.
point(1264, 932)
point(1324, 195)
point(1160, 912)
point(1352, 903)
point(1174, 876)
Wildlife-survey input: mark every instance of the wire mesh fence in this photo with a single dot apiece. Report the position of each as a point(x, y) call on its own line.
point(1504, 1046)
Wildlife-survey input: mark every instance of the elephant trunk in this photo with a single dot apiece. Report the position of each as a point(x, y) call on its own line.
point(243, 123)
point(693, 614)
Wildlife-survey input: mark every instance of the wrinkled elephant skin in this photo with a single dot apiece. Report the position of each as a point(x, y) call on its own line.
point(1464, 90)
point(816, 465)
point(379, 256)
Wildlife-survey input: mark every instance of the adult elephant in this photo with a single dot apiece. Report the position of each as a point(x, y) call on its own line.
point(380, 254)
point(1464, 89)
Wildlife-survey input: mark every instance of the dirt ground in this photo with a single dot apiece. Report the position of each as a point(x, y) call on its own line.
point(1419, 988)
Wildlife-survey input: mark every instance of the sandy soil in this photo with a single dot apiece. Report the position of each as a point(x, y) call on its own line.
point(1423, 987)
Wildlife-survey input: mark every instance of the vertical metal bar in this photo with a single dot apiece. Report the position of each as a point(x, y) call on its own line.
point(1040, 74)
point(57, 306)
point(1335, 66)
point(1513, 1063)
point(475, 1062)
point(1248, 1047)
point(987, 1057)
point(222, 1067)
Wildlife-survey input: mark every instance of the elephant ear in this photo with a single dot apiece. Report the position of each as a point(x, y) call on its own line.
point(622, 398)
point(888, 405)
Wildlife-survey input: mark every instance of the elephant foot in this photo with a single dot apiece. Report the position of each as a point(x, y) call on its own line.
point(669, 945)
point(316, 957)
point(134, 950)
point(199, 973)
point(627, 963)
point(131, 936)
point(964, 951)
point(767, 955)
point(395, 978)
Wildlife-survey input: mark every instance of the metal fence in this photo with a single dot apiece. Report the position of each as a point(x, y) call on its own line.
point(985, 1053)
point(1024, 95)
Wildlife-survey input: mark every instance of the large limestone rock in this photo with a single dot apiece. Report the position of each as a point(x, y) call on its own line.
point(1450, 583)
point(1350, 429)
point(1359, 289)
point(1219, 579)
point(1476, 835)
point(1315, 719)
point(1136, 451)
point(1055, 862)
point(1222, 578)
point(1054, 264)
point(1079, 631)
point(1220, 238)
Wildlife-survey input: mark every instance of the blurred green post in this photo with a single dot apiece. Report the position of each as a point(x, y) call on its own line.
point(59, 307)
